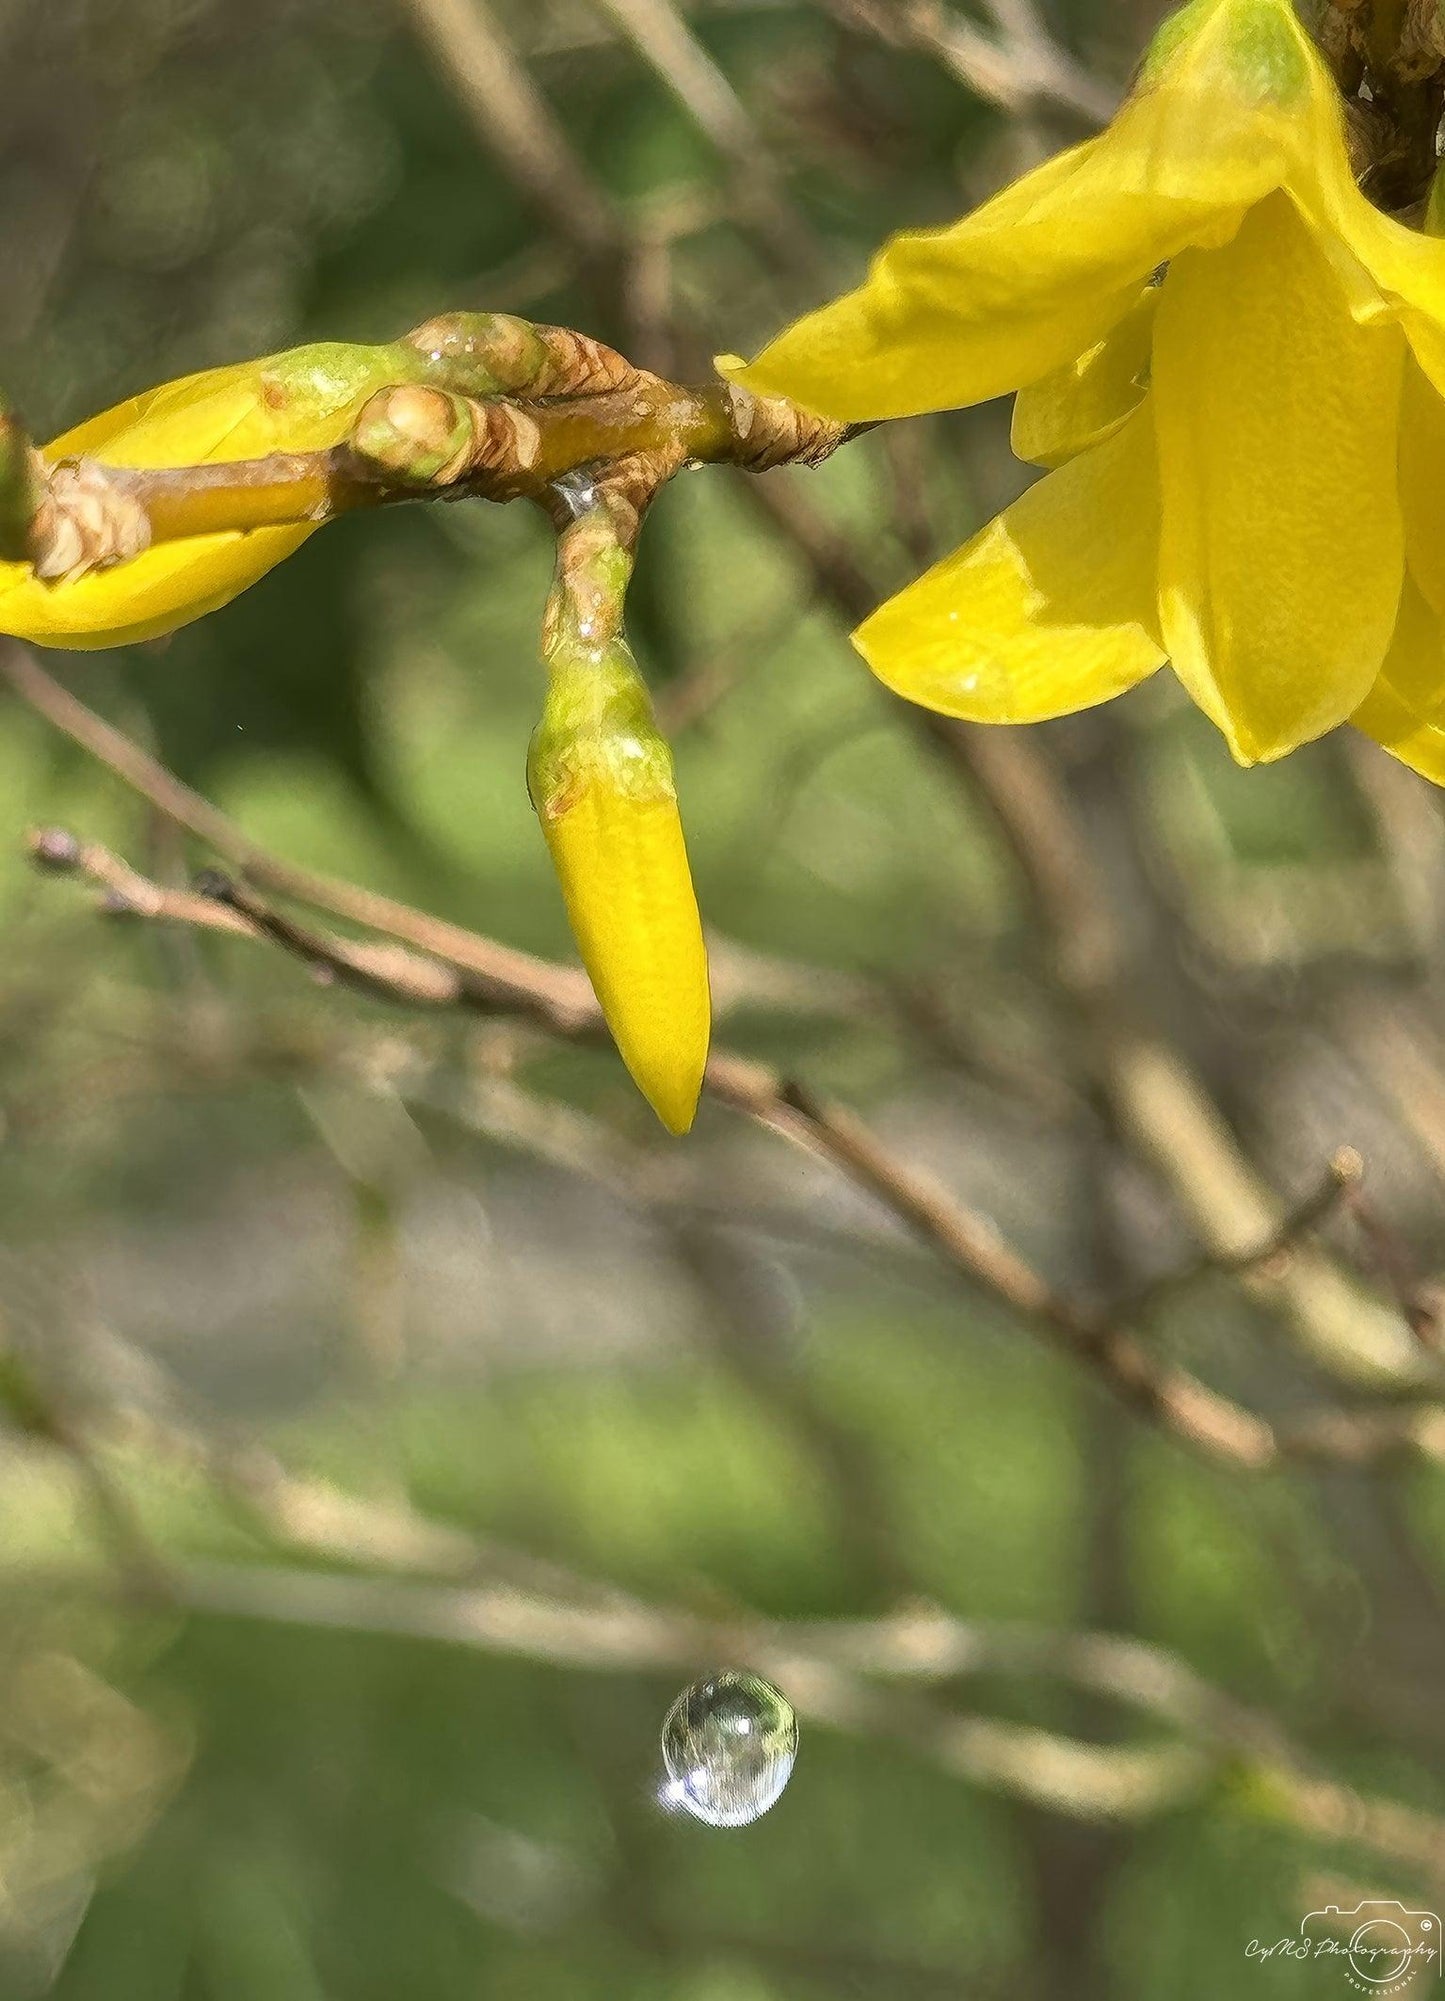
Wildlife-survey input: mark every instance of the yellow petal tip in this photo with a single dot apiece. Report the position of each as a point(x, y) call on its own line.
point(673, 1096)
point(622, 863)
point(662, 1034)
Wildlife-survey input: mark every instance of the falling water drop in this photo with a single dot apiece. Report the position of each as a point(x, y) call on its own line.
point(728, 1744)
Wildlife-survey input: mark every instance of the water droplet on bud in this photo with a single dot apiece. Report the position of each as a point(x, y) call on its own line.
point(728, 1744)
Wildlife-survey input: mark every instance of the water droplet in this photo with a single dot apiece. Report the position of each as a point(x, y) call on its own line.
point(728, 1744)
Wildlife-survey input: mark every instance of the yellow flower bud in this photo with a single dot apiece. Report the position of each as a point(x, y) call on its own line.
point(600, 776)
point(301, 401)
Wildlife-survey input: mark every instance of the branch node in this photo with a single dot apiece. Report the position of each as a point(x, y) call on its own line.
point(55, 849)
point(772, 432)
point(217, 887)
point(85, 520)
point(422, 437)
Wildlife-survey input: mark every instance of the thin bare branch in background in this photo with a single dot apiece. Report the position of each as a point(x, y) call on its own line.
point(834, 1675)
point(1018, 68)
point(1341, 1180)
point(661, 35)
point(966, 1241)
point(513, 120)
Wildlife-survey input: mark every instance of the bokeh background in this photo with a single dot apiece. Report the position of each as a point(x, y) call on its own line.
point(394, 1420)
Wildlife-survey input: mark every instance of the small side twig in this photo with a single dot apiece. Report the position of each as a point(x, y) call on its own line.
point(1340, 1183)
point(518, 126)
point(1391, 1260)
point(1019, 68)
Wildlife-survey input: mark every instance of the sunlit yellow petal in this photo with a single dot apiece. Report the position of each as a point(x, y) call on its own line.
point(1089, 400)
point(1282, 549)
point(297, 402)
point(1038, 275)
point(1388, 271)
point(1050, 609)
point(1405, 710)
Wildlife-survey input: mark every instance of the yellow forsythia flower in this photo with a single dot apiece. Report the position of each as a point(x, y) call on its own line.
point(1247, 447)
point(302, 401)
point(600, 776)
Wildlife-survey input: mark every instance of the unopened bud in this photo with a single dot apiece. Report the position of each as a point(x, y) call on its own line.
point(479, 354)
point(420, 436)
point(600, 776)
point(54, 848)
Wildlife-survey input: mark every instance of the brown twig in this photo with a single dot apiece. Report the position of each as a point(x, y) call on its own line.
point(966, 1242)
point(1341, 1180)
point(515, 123)
point(418, 442)
point(1019, 68)
point(566, 992)
point(1389, 1256)
point(1389, 59)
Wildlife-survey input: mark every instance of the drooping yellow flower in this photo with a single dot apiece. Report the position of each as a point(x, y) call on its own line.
point(600, 776)
point(1219, 347)
point(301, 401)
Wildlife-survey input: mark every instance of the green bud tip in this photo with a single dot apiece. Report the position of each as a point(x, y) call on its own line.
point(597, 725)
point(479, 354)
point(1260, 42)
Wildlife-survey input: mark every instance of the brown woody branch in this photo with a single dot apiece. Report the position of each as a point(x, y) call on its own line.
point(966, 1242)
point(579, 406)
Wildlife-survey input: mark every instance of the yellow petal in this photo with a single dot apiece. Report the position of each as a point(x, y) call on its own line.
point(1388, 272)
point(1050, 609)
point(1405, 710)
point(1089, 400)
point(168, 586)
point(1282, 549)
point(1038, 275)
point(622, 864)
point(1422, 481)
point(297, 402)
